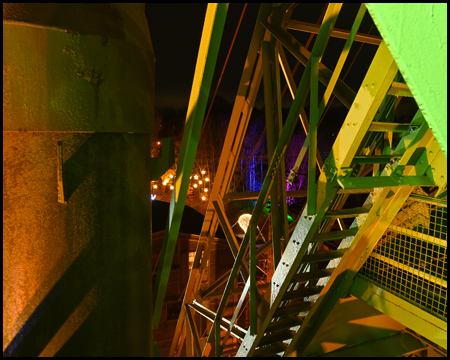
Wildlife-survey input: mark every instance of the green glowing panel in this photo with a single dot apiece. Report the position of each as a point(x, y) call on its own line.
point(416, 35)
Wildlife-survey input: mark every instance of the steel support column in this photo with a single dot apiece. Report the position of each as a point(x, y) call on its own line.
point(78, 109)
point(426, 43)
point(206, 61)
point(418, 320)
point(249, 84)
point(386, 203)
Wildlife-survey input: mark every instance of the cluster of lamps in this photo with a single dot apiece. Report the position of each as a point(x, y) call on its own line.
point(165, 181)
point(198, 182)
point(201, 183)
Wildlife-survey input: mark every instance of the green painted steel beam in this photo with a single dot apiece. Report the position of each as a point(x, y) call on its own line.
point(316, 110)
point(342, 58)
point(238, 332)
point(425, 324)
point(384, 181)
point(337, 33)
point(368, 100)
point(385, 206)
point(400, 344)
point(278, 118)
point(156, 351)
point(194, 331)
point(204, 71)
point(313, 124)
point(416, 35)
point(242, 110)
point(253, 290)
point(159, 165)
point(284, 64)
point(229, 234)
point(267, 47)
point(342, 91)
point(228, 287)
point(237, 311)
point(250, 342)
point(215, 285)
point(272, 97)
point(300, 98)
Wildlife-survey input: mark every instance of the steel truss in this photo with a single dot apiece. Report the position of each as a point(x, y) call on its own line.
point(308, 277)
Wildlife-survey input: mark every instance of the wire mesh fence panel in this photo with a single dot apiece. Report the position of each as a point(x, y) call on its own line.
point(410, 259)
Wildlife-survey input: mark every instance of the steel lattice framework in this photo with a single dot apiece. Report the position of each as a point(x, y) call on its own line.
point(308, 278)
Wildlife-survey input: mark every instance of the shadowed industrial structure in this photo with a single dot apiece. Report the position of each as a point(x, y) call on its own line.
point(357, 268)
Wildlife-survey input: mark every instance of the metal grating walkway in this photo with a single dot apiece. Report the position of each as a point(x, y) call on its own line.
point(410, 260)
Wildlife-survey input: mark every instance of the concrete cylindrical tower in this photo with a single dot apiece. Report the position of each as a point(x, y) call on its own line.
point(78, 107)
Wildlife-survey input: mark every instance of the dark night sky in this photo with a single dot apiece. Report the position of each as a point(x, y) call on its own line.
point(176, 32)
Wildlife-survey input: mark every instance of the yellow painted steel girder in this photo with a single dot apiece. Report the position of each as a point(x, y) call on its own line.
point(380, 76)
point(204, 70)
point(240, 116)
point(385, 204)
point(352, 150)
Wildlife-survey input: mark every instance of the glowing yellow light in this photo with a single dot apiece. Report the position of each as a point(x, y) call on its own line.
point(155, 186)
point(206, 179)
point(196, 177)
point(159, 142)
point(171, 176)
point(171, 187)
point(203, 198)
point(205, 189)
point(200, 182)
point(195, 185)
point(165, 182)
point(203, 172)
point(244, 221)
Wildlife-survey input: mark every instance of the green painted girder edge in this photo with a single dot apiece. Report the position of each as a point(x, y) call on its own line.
point(242, 109)
point(384, 181)
point(248, 345)
point(204, 71)
point(313, 124)
point(338, 285)
point(159, 165)
point(413, 317)
point(267, 48)
point(191, 322)
point(400, 344)
point(381, 72)
point(253, 290)
point(156, 351)
point(416, 35)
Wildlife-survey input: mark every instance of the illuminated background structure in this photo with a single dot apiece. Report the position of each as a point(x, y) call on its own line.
point(357, 268)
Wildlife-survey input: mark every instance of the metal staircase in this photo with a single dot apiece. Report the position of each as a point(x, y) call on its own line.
point(297, 278)
point(309, 278)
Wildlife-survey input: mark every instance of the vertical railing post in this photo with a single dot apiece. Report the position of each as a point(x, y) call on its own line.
point(253, 289)
point(271, 143)
point(217, 337)
point(313, 123)
point(204, 71)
